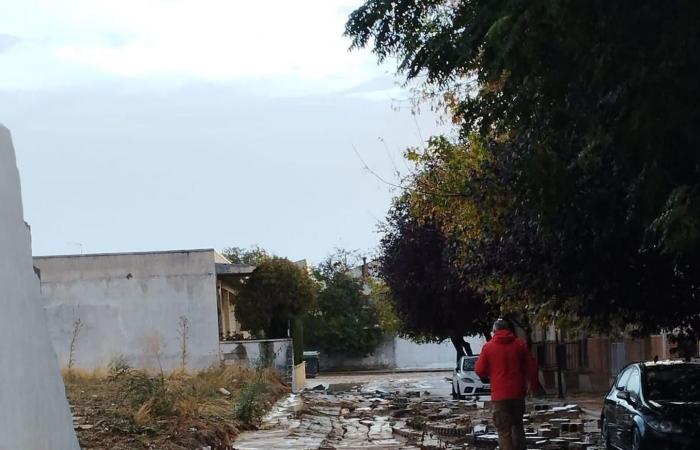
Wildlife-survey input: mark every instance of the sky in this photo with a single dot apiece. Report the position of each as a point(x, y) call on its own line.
point(174, 124)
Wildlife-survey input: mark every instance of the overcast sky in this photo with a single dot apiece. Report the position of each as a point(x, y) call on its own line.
point(172, 124)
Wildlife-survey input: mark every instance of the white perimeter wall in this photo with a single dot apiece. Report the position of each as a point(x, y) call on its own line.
point(398, 353)
point(410, 355)
point(34, 412)
point(253, 353)
point(130, 305)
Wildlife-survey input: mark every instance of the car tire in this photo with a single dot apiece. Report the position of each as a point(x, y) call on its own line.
point(636, 439)
point(605, 434)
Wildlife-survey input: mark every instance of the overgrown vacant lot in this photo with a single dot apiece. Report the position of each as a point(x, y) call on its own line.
point(125, 408)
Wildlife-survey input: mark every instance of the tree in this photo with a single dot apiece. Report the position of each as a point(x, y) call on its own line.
point(418, 265)
point(588, 112)
point(276, 292)
point(353, 312)
point(252, 256)
point(340, 260)
point(344, 320)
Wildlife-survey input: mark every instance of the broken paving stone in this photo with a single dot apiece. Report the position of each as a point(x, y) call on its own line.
point(372, 419)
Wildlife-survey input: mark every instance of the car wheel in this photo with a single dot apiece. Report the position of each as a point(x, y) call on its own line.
point(455, 395)
point(636, 439)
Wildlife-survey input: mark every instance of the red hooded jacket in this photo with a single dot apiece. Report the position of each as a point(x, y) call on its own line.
point(507, 361)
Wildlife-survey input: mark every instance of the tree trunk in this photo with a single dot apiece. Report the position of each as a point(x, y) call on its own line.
point(457, 341)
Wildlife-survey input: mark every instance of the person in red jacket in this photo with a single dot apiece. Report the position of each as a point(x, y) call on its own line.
point(507, 361)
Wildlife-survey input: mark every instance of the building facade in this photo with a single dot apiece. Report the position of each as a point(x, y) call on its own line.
point(156, 309)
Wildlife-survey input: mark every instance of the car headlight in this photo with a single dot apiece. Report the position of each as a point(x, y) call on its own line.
point(468, 380)
point(664, 426)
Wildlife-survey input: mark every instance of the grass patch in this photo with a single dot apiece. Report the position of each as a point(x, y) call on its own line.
point(125, 408)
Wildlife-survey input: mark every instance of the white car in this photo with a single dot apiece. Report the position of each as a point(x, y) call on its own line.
point(466, 382)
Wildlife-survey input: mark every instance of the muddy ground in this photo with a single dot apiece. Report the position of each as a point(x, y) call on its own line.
point(411, 411)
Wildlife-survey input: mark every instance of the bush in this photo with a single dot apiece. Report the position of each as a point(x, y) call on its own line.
point(118, 367)
point(250, 407)
point(142, 390)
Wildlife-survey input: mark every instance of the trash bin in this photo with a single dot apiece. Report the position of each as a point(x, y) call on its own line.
point(311, 359)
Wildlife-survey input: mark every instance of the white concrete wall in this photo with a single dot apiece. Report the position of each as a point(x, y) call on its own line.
point(130, 304)
point(410, 355)
point(250, 352)
point(399, 353)
point(383, 357)
point(34, 411)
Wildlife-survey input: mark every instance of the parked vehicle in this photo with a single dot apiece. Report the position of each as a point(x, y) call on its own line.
point(466, 382)
point(653, 406)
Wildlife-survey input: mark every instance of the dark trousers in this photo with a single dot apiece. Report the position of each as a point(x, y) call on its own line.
point(508, 418)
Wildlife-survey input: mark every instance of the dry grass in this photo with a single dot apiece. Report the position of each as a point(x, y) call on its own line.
point(132, 409)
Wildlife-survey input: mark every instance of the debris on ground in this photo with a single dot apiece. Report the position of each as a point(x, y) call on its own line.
point(380, 419)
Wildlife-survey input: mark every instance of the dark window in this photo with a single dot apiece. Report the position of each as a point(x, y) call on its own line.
point(468, 364)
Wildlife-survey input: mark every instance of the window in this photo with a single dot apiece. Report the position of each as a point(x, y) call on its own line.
point(622, 379)
point(673, 383)
point(634, 383)
point(468, 364)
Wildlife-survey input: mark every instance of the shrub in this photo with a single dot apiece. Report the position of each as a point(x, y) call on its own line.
point(250, 407)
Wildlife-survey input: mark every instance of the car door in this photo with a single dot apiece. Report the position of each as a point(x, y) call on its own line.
point(611, 406)
point(627, 409)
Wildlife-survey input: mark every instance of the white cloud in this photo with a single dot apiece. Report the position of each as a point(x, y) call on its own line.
point(180, 40)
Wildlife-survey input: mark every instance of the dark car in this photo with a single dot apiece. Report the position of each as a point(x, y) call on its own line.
point(654, 406)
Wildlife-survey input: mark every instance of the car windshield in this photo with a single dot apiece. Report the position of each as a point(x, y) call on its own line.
point(468, 364)
point(677, 383)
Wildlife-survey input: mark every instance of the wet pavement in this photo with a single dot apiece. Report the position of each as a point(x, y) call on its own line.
point(411, 411)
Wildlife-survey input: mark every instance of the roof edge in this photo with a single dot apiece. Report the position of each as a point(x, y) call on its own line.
point(154, 252)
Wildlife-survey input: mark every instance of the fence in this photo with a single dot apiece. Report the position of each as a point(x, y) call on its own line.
point(572, 355)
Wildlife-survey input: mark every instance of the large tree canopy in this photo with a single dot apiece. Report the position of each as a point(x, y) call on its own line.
point(430, 297)
point(588, 112)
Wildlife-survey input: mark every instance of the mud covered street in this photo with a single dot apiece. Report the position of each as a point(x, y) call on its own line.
point(413, 411)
